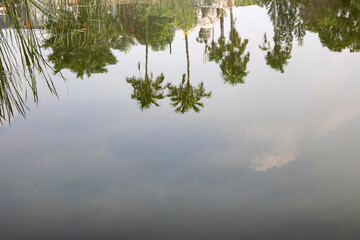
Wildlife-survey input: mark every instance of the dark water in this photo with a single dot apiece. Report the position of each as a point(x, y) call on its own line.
point(180, 120)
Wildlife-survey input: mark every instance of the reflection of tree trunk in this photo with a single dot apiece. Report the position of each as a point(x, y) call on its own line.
point(212, 29)
point(170, 38)
point(275, 14)
point(275, 22)
point(231, 24)
point(222, 25)
point(187, 57)
point(147, 48)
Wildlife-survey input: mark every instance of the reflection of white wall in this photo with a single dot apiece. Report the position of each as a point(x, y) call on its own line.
point(207, 12)
point(214, 3)
point(206, 17)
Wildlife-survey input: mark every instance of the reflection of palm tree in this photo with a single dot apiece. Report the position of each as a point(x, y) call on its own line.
point(148, 90)
point(278, 57)
point(217, 49)
point(231, 55)
point(234, 64)
point(286, 25)
point(185, 96)
point(222, 13)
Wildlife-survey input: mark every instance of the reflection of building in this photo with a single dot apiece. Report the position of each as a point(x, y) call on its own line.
point(208, 13)
point(206, 17)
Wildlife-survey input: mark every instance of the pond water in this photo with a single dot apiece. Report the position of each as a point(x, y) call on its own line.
point(180, 119)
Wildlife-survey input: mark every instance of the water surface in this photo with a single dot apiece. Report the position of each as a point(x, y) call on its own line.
point(180, 120)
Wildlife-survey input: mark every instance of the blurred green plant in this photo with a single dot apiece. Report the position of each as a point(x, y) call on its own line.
point(21, 59)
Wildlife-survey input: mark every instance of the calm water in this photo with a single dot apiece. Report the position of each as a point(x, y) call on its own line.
point(180, 120)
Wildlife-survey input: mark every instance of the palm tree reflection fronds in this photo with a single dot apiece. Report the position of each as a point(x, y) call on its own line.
point(231, 54)
point(277, 58)
point(234, 64)
point(147, 91)
point(185, 96)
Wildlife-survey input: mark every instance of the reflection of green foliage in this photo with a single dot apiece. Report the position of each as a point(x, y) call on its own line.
point(278, 57)
point(160, 31)
point(217, 50)
point(356, 4)
point(233, 66)
point(147, 91)
point(231, 55)
point(122, 43)
point(163, 17)
point(82, 60)
point(287, 25)
point(245, 2)
point(159, 36)
point(185, 97)
point(181, 13)
point(184, 16)
point(337, 23)
point(81, 42)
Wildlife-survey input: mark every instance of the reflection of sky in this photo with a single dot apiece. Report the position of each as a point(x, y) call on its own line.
point(93, 165)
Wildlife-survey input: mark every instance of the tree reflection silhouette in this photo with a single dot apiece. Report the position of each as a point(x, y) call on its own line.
point(287, 24)
point(147, 90)
point(185, 96)
point(83, 34)
point(231, 55)
point(337, 23)
point(82, 41)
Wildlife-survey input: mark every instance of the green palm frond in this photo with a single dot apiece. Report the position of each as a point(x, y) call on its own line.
point(185, 97)
point(147, 91)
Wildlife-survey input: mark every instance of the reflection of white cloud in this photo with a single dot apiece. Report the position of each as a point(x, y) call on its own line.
point(336, 119)
point(284, 139)
point(272, 160)
point(328, 119)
